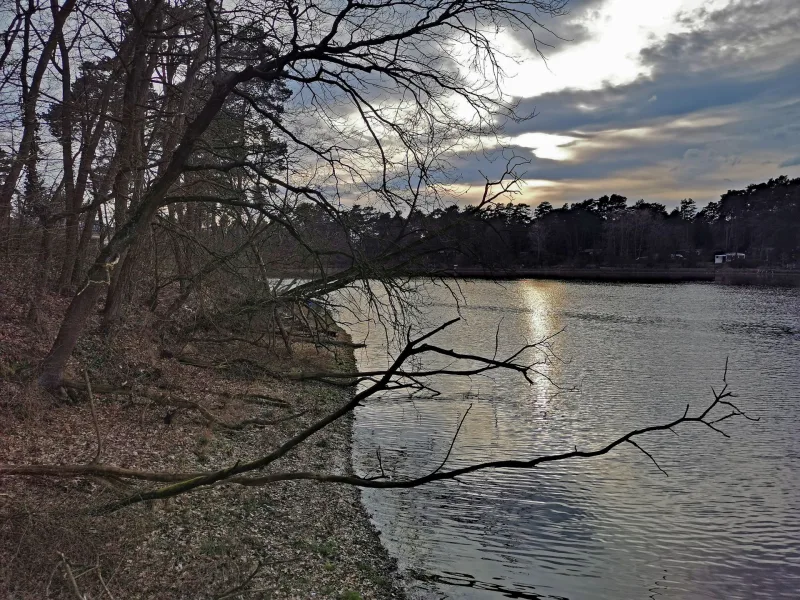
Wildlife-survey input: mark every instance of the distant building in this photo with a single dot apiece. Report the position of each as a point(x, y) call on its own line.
point(728, 257)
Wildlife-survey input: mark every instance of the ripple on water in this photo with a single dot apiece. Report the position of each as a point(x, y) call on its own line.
point(724, 524)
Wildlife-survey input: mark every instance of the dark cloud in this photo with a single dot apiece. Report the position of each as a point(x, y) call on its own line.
point(791, 162)
point(720, 107)
point(644, 100)
point(749, 34)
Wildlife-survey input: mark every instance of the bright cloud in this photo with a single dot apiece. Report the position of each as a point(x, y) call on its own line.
point(618, 30)
point(543, 145)
point(662, 100)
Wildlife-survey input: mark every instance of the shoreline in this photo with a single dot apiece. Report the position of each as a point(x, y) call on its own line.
point(293, 540)
point(719, 275)
point(397, 588)
point(611, 274)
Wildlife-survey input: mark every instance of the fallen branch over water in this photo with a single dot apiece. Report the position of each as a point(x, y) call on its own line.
point(396, 377)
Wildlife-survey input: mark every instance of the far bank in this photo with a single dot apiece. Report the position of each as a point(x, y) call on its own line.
point(722, 275)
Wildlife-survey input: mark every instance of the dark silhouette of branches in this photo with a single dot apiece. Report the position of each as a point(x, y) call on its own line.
point(396, 376)
point(205, 118)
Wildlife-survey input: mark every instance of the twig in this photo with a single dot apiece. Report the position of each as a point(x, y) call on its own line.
point(380, 461)
point(453, 441)
point(650, 456)
point(71, 578)
point(94, 418)
point(234, 591)
point(50, 580)
point(102, 581)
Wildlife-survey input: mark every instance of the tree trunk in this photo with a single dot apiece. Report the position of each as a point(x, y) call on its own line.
point(119, 289)
point(86, 235)
point(29, 120)
point(34, 199)
point(52, 368)
point(76, 271)
point(99, 276)
point(129, 182)
point(72, 202)
point(43, 269)
point(73, 253)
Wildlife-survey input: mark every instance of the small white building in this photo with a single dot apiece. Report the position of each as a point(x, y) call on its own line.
point(728, 257)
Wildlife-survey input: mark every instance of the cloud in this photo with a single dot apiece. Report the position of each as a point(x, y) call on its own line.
point(791, 162)
point(600, 43)
point(750, 34)
point(714, 104)
point(544, 145)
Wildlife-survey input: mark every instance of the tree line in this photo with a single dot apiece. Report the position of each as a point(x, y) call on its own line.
point(761, 221)
point(164, 152)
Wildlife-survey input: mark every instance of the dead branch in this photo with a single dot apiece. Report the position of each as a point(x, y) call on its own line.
point(171, 400)
point(94, 416)
point(242, 472)
point(261, 422)
point(71, 578)
point(294, 337)
point(227, 364)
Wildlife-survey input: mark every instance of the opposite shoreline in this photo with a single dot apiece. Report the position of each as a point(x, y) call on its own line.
point(723, 275)
point(720, 275)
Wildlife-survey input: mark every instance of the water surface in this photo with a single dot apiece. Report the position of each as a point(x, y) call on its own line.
point(725, 523)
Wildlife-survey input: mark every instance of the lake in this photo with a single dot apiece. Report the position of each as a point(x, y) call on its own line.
point(725, 523)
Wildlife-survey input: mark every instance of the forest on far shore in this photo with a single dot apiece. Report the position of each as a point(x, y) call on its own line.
point(762, 221)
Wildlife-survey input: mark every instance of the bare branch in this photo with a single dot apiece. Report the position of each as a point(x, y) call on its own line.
point(94, 417)
point(650, 456)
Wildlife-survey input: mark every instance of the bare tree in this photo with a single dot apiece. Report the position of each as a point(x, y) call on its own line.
point(31, 91)
point(377, 104)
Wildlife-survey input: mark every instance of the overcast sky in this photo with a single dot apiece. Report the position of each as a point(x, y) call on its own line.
point(657, 99)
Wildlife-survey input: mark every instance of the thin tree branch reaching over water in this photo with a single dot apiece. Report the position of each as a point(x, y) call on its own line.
point(396, 376)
